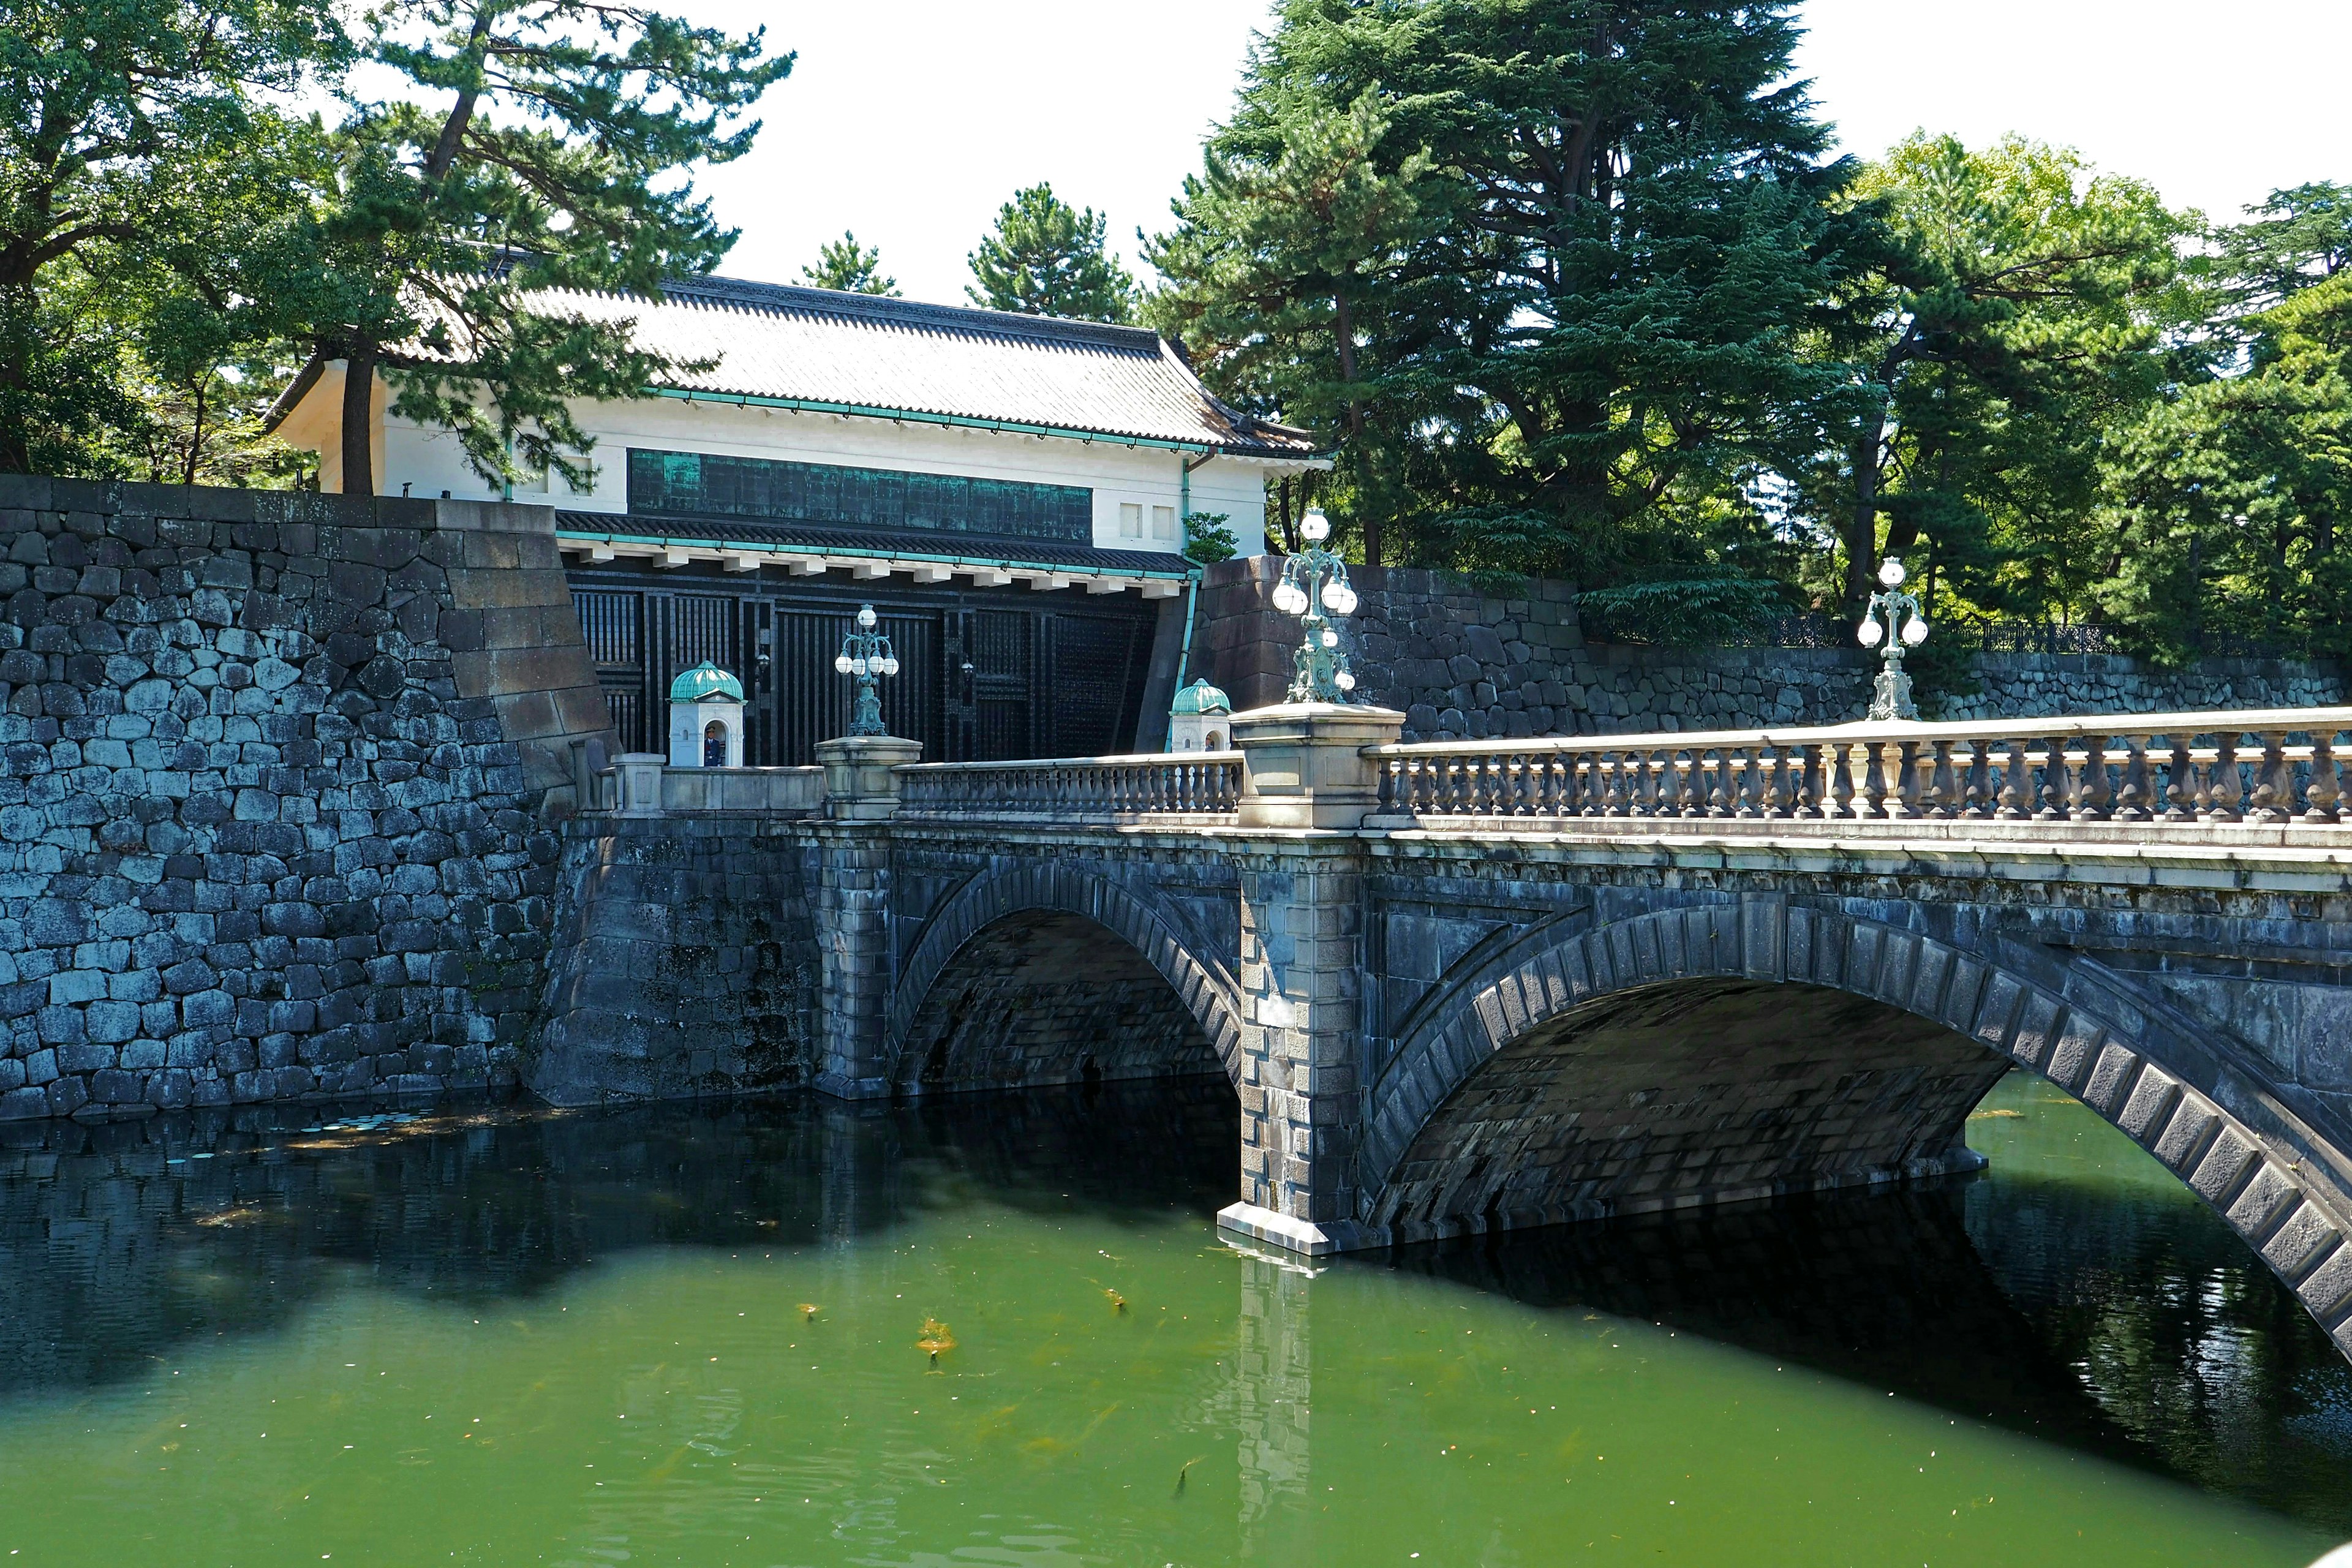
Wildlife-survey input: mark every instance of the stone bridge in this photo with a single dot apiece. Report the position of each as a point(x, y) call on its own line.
point(1465, 987)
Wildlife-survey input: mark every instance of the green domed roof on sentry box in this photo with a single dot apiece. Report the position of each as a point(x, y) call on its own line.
point(1201, 698)
point(703, 682)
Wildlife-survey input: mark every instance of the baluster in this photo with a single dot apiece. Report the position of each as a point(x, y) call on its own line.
point(2091, 793)
point(1939, 799)
point(2015, 778)
point(1979, 803)
point(1613, 798)
point(1776, 785)
point(1841, 783)
point(2180, 780)
point(1695, 784)
point(2273, 799)
point(2326, 789)
point(2223, 790)
point(1742, 762)
point(1812, 803)
point(1903, 800)
point(2054, 780)
point(1874, 780)
point(2133, 799)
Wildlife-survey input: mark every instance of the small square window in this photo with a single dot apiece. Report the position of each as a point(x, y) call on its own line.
point(1130, 519)
point(1163, 522)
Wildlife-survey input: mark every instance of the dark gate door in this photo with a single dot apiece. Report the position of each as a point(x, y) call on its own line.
point(1003, 655)
point(1097, 667)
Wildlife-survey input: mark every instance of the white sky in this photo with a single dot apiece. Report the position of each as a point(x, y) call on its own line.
point(911, 120)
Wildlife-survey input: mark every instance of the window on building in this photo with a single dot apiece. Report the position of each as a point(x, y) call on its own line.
point(1130, 519)
point(1163, 522)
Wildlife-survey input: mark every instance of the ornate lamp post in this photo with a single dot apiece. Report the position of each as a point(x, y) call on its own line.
point(865, 653)
point(1906, 627)
point(1313, 581)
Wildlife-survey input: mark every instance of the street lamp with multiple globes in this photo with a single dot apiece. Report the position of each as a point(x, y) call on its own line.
point(867, 654)
point(1906, 627)
point(1313, 581)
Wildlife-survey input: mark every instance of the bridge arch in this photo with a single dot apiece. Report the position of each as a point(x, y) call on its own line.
point(1527, 1094)
point(1032, 915)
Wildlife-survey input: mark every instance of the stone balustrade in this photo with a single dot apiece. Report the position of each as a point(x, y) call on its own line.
point(642, 783)
point(1203, 785)
point(2160, 775)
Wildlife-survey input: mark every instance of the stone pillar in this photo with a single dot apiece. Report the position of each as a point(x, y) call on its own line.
point(1303, 766)
point(641, 783)
point(1302, 958)
point(853, 910)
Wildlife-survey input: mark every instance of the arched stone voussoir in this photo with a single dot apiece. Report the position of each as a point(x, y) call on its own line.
point(1896, 1024)
point(1031, 888)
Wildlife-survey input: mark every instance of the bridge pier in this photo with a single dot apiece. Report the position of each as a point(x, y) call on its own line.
point(1302, 969)
point(852, 911)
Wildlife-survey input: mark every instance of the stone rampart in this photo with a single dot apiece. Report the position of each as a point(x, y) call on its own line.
point(685, 960)
point(279, 782)
point(1466, 660)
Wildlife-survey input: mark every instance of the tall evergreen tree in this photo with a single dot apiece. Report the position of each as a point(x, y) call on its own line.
point(843, 264)
point(1048, 259)
point(1597, 342)
point(523, 143)
point(1282, 271)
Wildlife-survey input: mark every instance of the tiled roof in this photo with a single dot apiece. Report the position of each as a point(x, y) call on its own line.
point(721, 532)
point(862, 352)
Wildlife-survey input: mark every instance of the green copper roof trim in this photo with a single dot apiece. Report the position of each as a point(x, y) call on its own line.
point(970, 421)
point(704, 681)
point(1201, 698)
point(993, 562)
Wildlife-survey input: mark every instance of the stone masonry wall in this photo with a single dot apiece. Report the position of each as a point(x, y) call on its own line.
point(278, 777)
point(1463, 661)
point(685, 960)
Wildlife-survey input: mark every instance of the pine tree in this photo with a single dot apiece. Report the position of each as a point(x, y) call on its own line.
point(527, 143)
point(1591, 339)
point(1048, 259)
point(1280, 271)
point(842, 264)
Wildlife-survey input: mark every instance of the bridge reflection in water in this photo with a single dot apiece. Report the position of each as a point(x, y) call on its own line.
point(2141, 1331)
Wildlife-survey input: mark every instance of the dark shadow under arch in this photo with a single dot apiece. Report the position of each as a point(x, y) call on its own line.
point(1040, 898)
point(1719, 1050)
point(1043, 997)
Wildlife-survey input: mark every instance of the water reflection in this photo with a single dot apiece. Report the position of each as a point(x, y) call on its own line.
point(2087, 1304)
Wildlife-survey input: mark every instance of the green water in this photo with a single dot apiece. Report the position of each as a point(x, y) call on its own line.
point(521, 1338)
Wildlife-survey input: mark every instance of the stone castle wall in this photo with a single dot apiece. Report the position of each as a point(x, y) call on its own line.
point(1464, 660)
point(684, 961)
point(279, 783)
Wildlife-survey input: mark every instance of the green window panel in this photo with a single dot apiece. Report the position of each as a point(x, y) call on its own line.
point(704, 484)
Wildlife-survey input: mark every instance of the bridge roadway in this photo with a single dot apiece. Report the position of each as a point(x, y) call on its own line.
point(1466, 987)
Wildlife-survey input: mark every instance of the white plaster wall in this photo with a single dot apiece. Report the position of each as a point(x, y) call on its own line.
point(429, 461)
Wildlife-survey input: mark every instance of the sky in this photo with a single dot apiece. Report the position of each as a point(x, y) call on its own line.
point(910, 122)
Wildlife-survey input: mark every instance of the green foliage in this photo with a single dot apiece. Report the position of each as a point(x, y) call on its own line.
point(142, 158)
point(1686, 611)
point(1208, 538)
point(518, 143)
point(1996, 338)
point(1542, 267)
point(843, 264)
point(1048, 259)
point(2232, 497)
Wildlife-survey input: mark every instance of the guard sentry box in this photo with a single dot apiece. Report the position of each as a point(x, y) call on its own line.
point(706, 719)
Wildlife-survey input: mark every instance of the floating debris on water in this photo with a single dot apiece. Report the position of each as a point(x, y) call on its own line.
point(808, 1312)
point(935, 1338)
point(1118, 1301)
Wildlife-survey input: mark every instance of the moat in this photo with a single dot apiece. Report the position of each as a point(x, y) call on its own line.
point(1005, 1329)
